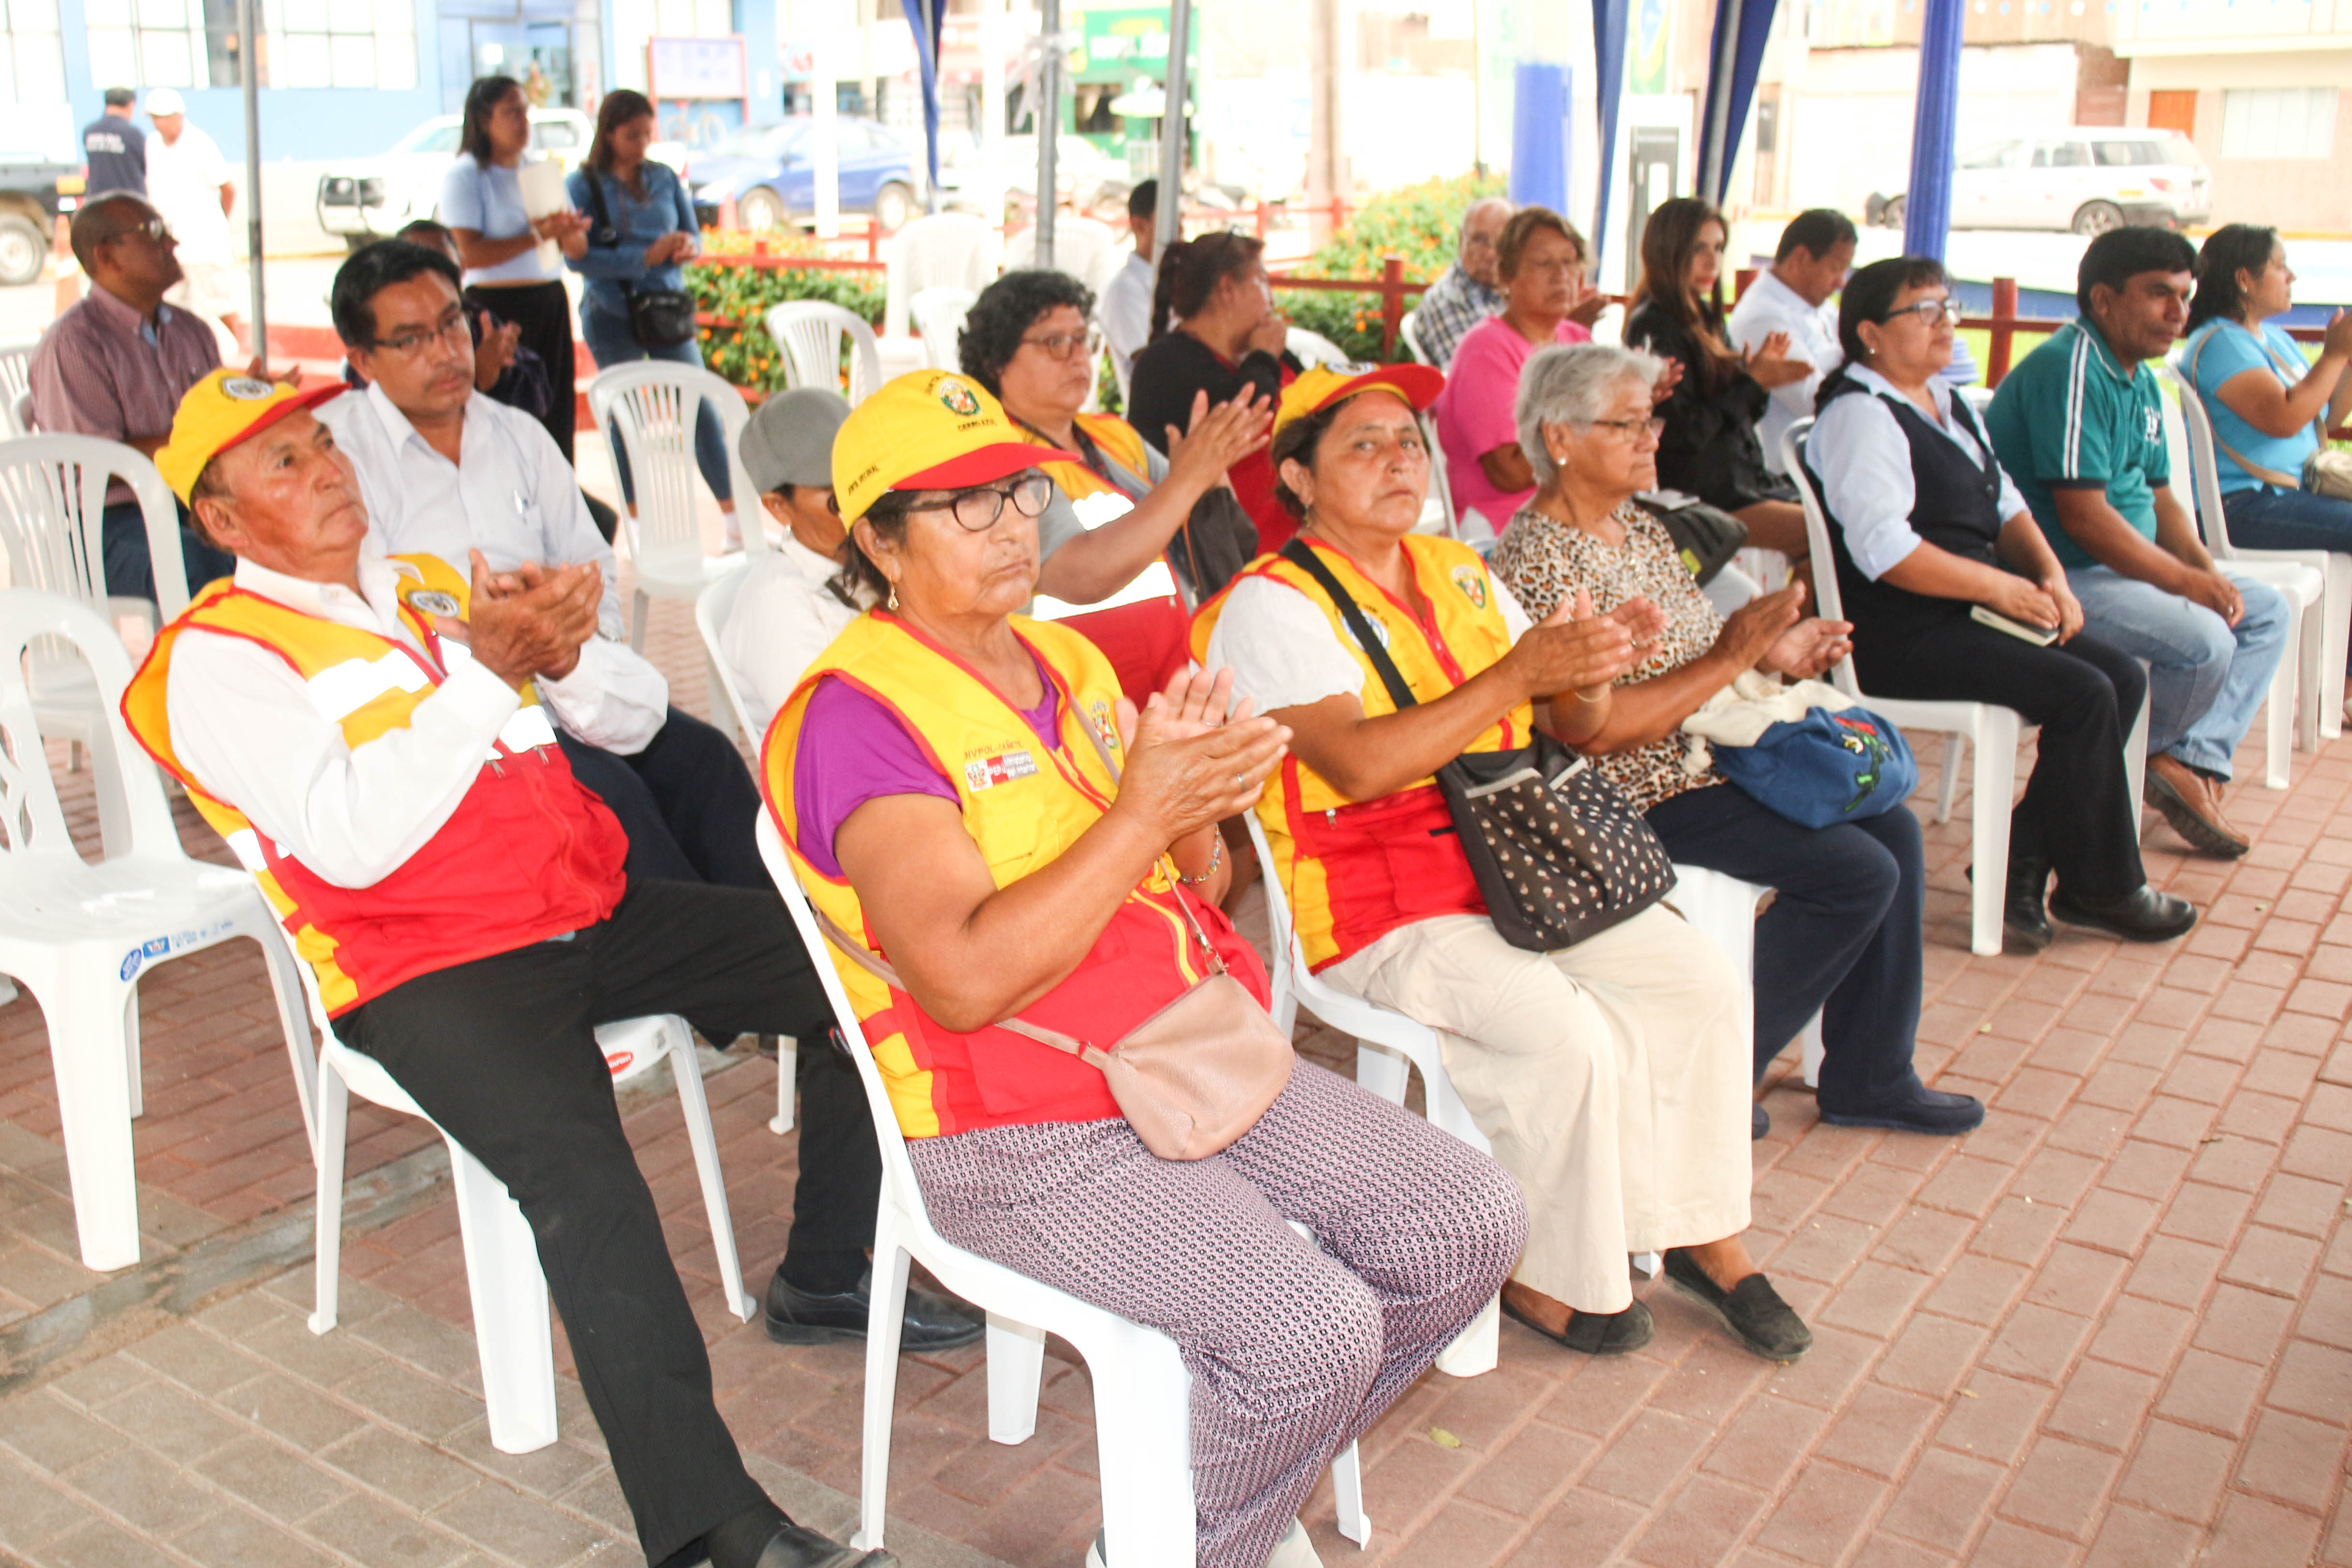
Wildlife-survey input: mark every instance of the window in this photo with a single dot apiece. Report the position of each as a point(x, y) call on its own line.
point(2062, 155)
point(338, 43)
point(2279, 123)
point(559, 136)
point(2129, 155)
point(32, 65)
point(1993, 155)
point(147, 43)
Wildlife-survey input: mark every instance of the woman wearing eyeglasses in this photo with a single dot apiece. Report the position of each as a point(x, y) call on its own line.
point(964, 789)
point(1841, 937)
point(1121, 506)
point(1925, 529)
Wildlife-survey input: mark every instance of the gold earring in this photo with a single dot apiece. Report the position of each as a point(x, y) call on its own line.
point(894, 596)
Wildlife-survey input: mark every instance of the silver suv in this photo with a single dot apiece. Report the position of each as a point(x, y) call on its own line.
point(2089, 179)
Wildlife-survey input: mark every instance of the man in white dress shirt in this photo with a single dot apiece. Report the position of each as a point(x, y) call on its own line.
point(447, 472)
point(1126, 308)
point(369, 734)
point(790, 607)
point(1793, 295)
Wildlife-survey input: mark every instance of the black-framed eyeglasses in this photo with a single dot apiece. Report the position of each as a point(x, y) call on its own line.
point(1058, 345)
point(452, 329)
point(977, 510)
point(1926, 310)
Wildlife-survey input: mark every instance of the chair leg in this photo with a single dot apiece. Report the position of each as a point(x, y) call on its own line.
point(91, 1061)
point(1996, 778)
point(1016, 1368)
point(886, 1316)
point(687, 1069)
point(294, 1023)
point(1348, 1490)
point(2135, 763)
point(130, 1052)
point(788, 1062)
point(1476, 1348)
point(1143, 1449)
point(511, 1330)
point(1381, 1071)
point(1650, 1263)
point(333, 1124)
point(2335, 633)
point(1810, 1044)
point(1956, 745)
point(2310, 679)
point(638, 603)
point(2278, 710)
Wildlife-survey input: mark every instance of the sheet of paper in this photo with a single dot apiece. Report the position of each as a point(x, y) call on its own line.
point(543, 192)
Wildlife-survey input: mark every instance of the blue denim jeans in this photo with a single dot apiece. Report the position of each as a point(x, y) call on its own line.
point(609, 344)
point(2266, 519)
point(2206, 678)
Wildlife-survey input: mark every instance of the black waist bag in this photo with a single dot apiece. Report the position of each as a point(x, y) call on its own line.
point(658, 318)
point(1558, 854)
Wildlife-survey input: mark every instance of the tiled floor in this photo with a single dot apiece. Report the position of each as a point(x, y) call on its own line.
point(2114, 1326)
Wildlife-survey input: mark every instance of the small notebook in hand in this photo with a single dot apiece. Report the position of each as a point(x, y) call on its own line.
point(2039, 636)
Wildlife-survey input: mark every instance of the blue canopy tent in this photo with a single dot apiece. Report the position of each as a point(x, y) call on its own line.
point(1609, 19)
point(1928, 200)
point(926, 18)
point(1742, 28)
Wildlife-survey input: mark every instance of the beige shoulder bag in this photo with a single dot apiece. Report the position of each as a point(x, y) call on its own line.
point(1191, 1078)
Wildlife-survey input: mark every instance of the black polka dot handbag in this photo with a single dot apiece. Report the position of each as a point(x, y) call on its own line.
point(1559, 854)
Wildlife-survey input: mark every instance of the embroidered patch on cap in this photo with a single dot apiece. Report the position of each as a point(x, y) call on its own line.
point(247, 389)
point(957, 398)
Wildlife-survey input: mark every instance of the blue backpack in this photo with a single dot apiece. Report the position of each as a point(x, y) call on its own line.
point(1825, 768)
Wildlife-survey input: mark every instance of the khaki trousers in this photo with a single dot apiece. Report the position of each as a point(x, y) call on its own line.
point(1612, 1076)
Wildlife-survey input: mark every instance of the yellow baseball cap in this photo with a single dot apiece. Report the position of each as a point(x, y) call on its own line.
point(928, 430)
point(224, 409)
point(1322, 386)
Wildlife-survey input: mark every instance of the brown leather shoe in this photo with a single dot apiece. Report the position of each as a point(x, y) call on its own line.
point(2191, 806)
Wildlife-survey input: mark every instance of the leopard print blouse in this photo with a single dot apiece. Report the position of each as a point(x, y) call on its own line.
point(1545, 561)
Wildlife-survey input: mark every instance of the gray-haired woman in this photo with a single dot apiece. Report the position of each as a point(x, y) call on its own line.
point(1843, 934)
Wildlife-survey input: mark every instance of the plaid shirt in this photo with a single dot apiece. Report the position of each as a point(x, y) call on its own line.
point(1452, 306)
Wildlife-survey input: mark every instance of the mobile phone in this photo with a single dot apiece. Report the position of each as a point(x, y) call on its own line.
point(2039, 636)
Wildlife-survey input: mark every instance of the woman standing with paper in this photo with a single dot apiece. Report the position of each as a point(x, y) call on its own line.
point(514, 224)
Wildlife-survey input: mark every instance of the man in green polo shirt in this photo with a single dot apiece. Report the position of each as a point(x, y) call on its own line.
point(2079, 427)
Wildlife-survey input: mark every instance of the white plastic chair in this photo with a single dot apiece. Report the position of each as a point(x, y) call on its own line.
point(1086, 248)
point(52, 496)
point(710, 613)
point(1311, 349)
point(944, 250)
point(1413, 339)
point(654, 404)
point(809, 335)
point(1990, 728)
point(939, 317)
point(17, 384)
point(1437, 506)
point(78, 936)
point(1141, 1389)
point(1723, 908)
point(1389, 1047)
point(508, 1292)
point(2317, 585)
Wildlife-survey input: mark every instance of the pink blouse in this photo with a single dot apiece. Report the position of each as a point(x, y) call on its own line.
point(1475, 412)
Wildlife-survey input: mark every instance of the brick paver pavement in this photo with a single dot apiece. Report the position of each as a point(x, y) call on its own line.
point(2112, 1327)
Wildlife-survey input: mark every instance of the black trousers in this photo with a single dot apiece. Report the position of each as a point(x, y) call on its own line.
point(131, 572)
point(499, 1053)
point(686, 802)
point(1841, 936)
point(2078, 813)
point(543, 311)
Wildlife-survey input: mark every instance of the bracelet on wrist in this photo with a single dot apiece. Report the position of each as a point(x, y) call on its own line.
point(1216, 859)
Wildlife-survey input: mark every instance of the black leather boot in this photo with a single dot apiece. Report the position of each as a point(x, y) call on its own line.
point(2024, 916)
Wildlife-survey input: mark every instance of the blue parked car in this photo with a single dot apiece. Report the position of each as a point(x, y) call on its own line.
point(771, 173)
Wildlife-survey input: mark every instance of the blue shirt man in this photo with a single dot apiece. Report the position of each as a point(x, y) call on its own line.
point(2079, 426)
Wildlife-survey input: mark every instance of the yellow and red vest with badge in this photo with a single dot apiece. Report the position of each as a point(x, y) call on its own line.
point(1118, 440)
point(1356, 870)
point(529, 853)
point(1023, 804)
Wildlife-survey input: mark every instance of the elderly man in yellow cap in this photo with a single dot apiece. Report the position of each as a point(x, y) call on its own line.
point(371, 736)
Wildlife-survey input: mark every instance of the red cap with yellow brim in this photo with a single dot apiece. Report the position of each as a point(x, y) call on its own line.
point(224, 409)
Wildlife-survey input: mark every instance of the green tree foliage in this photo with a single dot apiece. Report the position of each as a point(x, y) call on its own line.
point(1415, 222)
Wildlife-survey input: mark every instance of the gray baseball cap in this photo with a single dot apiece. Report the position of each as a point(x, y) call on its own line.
point(790, 438)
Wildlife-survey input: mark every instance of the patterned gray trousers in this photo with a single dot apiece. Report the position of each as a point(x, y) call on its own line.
point(1293, 1351)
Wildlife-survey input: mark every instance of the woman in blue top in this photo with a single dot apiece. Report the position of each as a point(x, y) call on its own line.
point(639, 238)
point(497, 240)
point(2263, 400)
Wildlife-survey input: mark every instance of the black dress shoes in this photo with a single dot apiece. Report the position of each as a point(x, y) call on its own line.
point(2141, 915)
point(935, 1321)
point(793, 1547)
point(1912, 1107)
point(2025, 922)
point(1751, 1310)
point(1596, 1333)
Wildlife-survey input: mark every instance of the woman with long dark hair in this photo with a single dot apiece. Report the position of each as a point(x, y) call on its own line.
point(2267, 406)
point(499, 240)
point(641, 234)
point(1710, 448)
point(1925, 529)
point(1214, 330)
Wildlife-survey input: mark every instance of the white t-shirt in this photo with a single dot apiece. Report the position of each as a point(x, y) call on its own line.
point(185, 180)
point(1771, 306)
point(1283, 651)
point(784, 616)
point(1126, 313)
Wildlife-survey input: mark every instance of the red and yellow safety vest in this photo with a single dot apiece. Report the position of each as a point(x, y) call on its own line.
point(529, 853)
point(1356, 870)
point(1023, 804)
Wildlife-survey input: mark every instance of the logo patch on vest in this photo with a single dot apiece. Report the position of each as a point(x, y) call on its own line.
point(433, 601)
point(1003, 767)
point(1472, 584)
point(1104, 727)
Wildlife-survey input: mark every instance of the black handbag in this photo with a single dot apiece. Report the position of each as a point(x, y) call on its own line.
point(1704, 537)
point(658, 318)
point(1558, 854)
